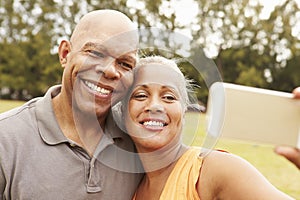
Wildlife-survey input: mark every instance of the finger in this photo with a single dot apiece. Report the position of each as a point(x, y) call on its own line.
point(290, 153)
point(296, 92)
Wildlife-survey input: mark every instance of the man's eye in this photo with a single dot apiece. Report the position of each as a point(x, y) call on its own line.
point(96, 53)
point(125, 65)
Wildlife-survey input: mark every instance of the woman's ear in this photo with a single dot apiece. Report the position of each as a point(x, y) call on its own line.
point(63, 50)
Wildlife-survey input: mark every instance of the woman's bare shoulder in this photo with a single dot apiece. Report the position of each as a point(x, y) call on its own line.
point(228, 175)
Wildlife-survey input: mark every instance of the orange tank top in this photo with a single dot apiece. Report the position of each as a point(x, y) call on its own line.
point(181, 184)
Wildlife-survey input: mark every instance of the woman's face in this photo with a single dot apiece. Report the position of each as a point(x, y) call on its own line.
point(155, 110)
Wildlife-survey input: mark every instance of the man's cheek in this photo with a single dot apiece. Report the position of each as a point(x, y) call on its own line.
point(122, 88)
point(127, 80)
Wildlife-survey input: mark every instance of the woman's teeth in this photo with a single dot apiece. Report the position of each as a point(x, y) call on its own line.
point(153, 123)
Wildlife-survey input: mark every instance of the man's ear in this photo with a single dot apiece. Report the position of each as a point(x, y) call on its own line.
point(63, 50)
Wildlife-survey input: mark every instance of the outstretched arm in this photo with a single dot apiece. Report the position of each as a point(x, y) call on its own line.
point(227, 176)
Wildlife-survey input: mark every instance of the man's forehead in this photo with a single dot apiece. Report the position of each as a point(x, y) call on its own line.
point(116, 42)
point(109, 48)
point(105, 23)
point(125, 42)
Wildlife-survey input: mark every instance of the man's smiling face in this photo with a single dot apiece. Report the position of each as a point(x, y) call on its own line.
point(100, 55)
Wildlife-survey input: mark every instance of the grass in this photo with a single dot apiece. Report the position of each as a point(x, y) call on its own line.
point(8, 104)
point(280, 172)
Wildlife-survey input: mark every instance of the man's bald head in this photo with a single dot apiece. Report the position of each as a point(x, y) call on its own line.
point(104, 24)
point(101, 53)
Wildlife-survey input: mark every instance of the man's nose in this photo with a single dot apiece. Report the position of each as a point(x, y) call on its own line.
point(109, 70)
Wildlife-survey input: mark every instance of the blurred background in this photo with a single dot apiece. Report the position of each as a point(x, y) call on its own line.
point(252, 42)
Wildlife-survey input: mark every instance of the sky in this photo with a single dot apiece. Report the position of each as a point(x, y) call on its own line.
point(187, 10)
point(269, 6)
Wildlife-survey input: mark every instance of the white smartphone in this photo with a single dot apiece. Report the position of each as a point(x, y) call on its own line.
point(253, 114)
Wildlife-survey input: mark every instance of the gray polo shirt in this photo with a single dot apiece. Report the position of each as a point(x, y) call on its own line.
point(38, 162)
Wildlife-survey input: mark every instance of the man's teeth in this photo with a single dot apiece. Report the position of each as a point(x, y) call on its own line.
point(97, 88)
point(153, 123)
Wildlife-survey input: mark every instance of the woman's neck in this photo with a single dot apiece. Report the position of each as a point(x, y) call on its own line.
point(158, 166)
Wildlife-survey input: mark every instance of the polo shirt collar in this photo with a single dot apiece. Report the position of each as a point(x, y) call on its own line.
point(48, 126)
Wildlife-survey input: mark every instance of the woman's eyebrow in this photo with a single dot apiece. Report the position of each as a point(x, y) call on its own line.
point(171, 88)
point(144, 86)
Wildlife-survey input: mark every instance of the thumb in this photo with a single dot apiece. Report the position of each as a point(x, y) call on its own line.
point(290, 153)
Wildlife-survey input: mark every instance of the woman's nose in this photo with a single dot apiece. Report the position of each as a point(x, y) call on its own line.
point(154, 107)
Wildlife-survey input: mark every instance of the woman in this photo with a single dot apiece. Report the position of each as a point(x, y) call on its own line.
point(154, 116)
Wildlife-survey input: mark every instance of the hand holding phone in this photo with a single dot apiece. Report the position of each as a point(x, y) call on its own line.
point(253, 114)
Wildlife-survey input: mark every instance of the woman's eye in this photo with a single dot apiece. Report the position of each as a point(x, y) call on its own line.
point(140, 96)
point(169, 98)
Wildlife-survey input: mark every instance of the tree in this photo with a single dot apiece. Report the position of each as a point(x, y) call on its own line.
point(248, 49)
point(227, 35)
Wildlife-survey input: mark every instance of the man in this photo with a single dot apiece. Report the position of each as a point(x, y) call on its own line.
point(65, 145)
point(292, 154)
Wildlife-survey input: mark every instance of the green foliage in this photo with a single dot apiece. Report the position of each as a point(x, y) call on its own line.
point(27, 68)
point(287, 78)
point(243, 46)
point(242, 66)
